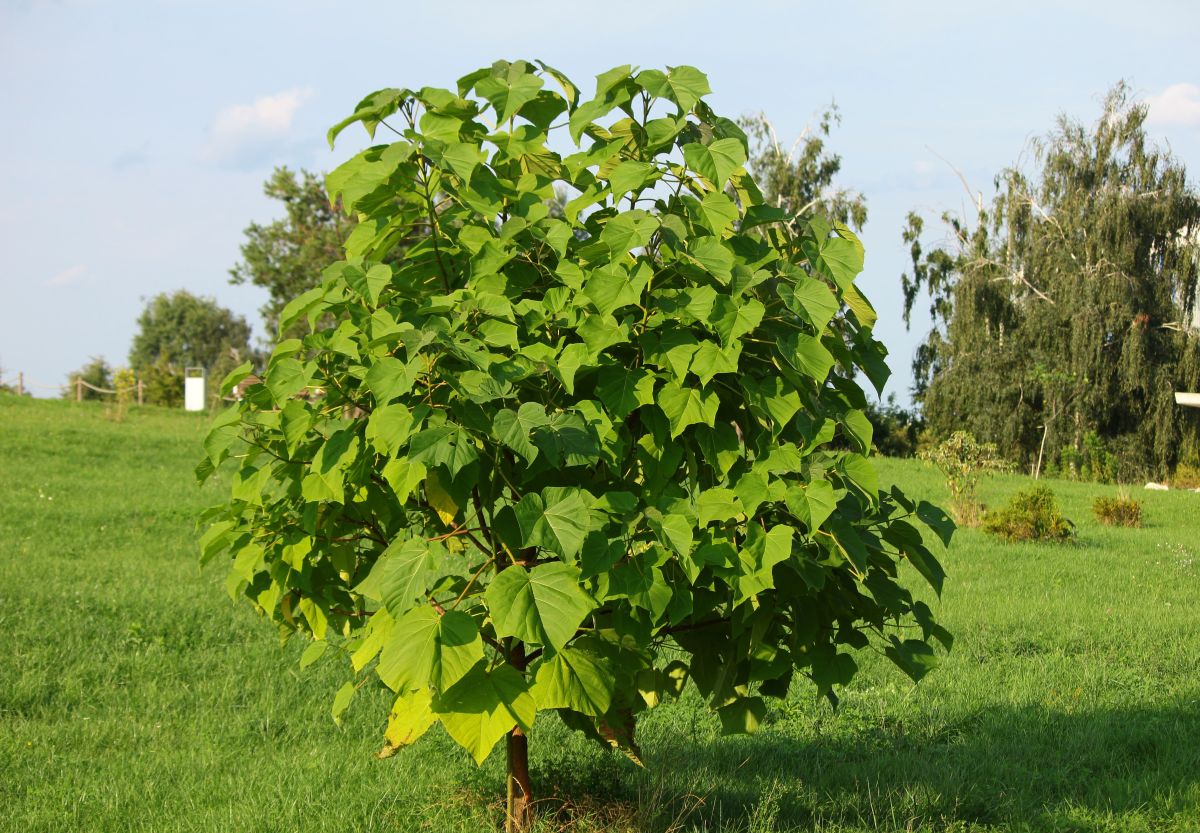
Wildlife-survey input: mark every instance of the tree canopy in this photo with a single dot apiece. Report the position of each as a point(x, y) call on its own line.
point(182, 330)
point(571, 463)
point(286, 256)
point(1064, 311)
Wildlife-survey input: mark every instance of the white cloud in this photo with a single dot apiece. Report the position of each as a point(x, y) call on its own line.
point(67, 276)
point(1177, 104)
point(246, 134)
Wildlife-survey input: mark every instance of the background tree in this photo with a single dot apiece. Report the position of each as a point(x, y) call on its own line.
point(895, 430)
point(571, 464)
point(97, 373)
point(181, 330)
point(1067, 307)
point(186, 330)
point(286, 256)
point(800, 178)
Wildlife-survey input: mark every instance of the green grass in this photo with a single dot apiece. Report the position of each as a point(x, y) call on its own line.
point(135, 696)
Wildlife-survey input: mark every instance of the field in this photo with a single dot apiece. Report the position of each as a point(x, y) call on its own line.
point(135, 696)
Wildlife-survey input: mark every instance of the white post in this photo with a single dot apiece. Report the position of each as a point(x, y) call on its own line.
point(193, 389)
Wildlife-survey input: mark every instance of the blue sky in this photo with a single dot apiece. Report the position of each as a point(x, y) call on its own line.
point(136, 136)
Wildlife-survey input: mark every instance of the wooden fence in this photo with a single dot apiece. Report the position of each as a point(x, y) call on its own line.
point(77, 385)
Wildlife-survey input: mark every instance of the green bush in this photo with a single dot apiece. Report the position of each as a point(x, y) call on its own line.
point(163, 384)
point(1093, 461)
point(1121, 510)
point(1031, 515)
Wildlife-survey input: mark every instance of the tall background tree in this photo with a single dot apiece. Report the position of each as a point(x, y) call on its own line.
point(286, 256)
point(1062, 317)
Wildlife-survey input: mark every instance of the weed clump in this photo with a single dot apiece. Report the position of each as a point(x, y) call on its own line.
point(1121, 510)
point(1031, 515)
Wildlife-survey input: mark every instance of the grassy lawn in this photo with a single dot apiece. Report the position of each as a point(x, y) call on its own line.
point(135, 696)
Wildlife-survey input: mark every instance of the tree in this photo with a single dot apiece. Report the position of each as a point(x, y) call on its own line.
point(1067, 307)
point(895, 430)
point(97, 373)
point(570, 464)
point(183, 330)
point(285, 257)
point(801, 178)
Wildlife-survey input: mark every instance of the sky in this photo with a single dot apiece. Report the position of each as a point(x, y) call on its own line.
point(135, 137)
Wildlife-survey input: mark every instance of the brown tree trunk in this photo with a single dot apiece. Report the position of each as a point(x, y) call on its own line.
point(520, 791)
point(519, 811)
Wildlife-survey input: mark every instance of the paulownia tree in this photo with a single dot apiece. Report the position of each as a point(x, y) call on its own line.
point(571, 463)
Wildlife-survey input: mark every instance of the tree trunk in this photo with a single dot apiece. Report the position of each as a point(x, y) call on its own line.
point(519, 815)
point(519, 810)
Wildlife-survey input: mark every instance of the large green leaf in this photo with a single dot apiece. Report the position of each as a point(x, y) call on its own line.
point(713, 257)
point(287, 377)
point(622, 390)
point(365, 173)
point(717, 161)
point(718, 211)
point(426, 648)
point(388, 428)
point(809, 355)
point(841, 258)
point(559, 526)
point(936, 519)
point(683, 84)
point(576, 679)
point(400, 577)
point(731, 319)
point(513, 428)
point(811, 299)
point(687, 406)
point(484, 706)
point(387, 379)
point(630, 175)
point(717, 505)
point(544, 605)
point(509, 95)
point(609, 288)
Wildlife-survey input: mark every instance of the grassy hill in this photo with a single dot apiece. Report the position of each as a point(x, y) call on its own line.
point(135, 696)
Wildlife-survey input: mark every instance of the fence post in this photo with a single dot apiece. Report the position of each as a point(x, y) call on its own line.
point(78, 388)
point(139, 386)
point(20, 384)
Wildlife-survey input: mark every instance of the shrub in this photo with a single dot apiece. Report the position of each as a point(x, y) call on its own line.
point(1121, 510)
point(1031, 515)
point(570, 464)
point(95, 374)
point(1186, 476)
point(964, 462)
point(1093, 461)
point(125, 384)
point(163, 384)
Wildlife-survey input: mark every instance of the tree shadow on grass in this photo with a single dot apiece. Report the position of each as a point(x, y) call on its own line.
point(1036, 768)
